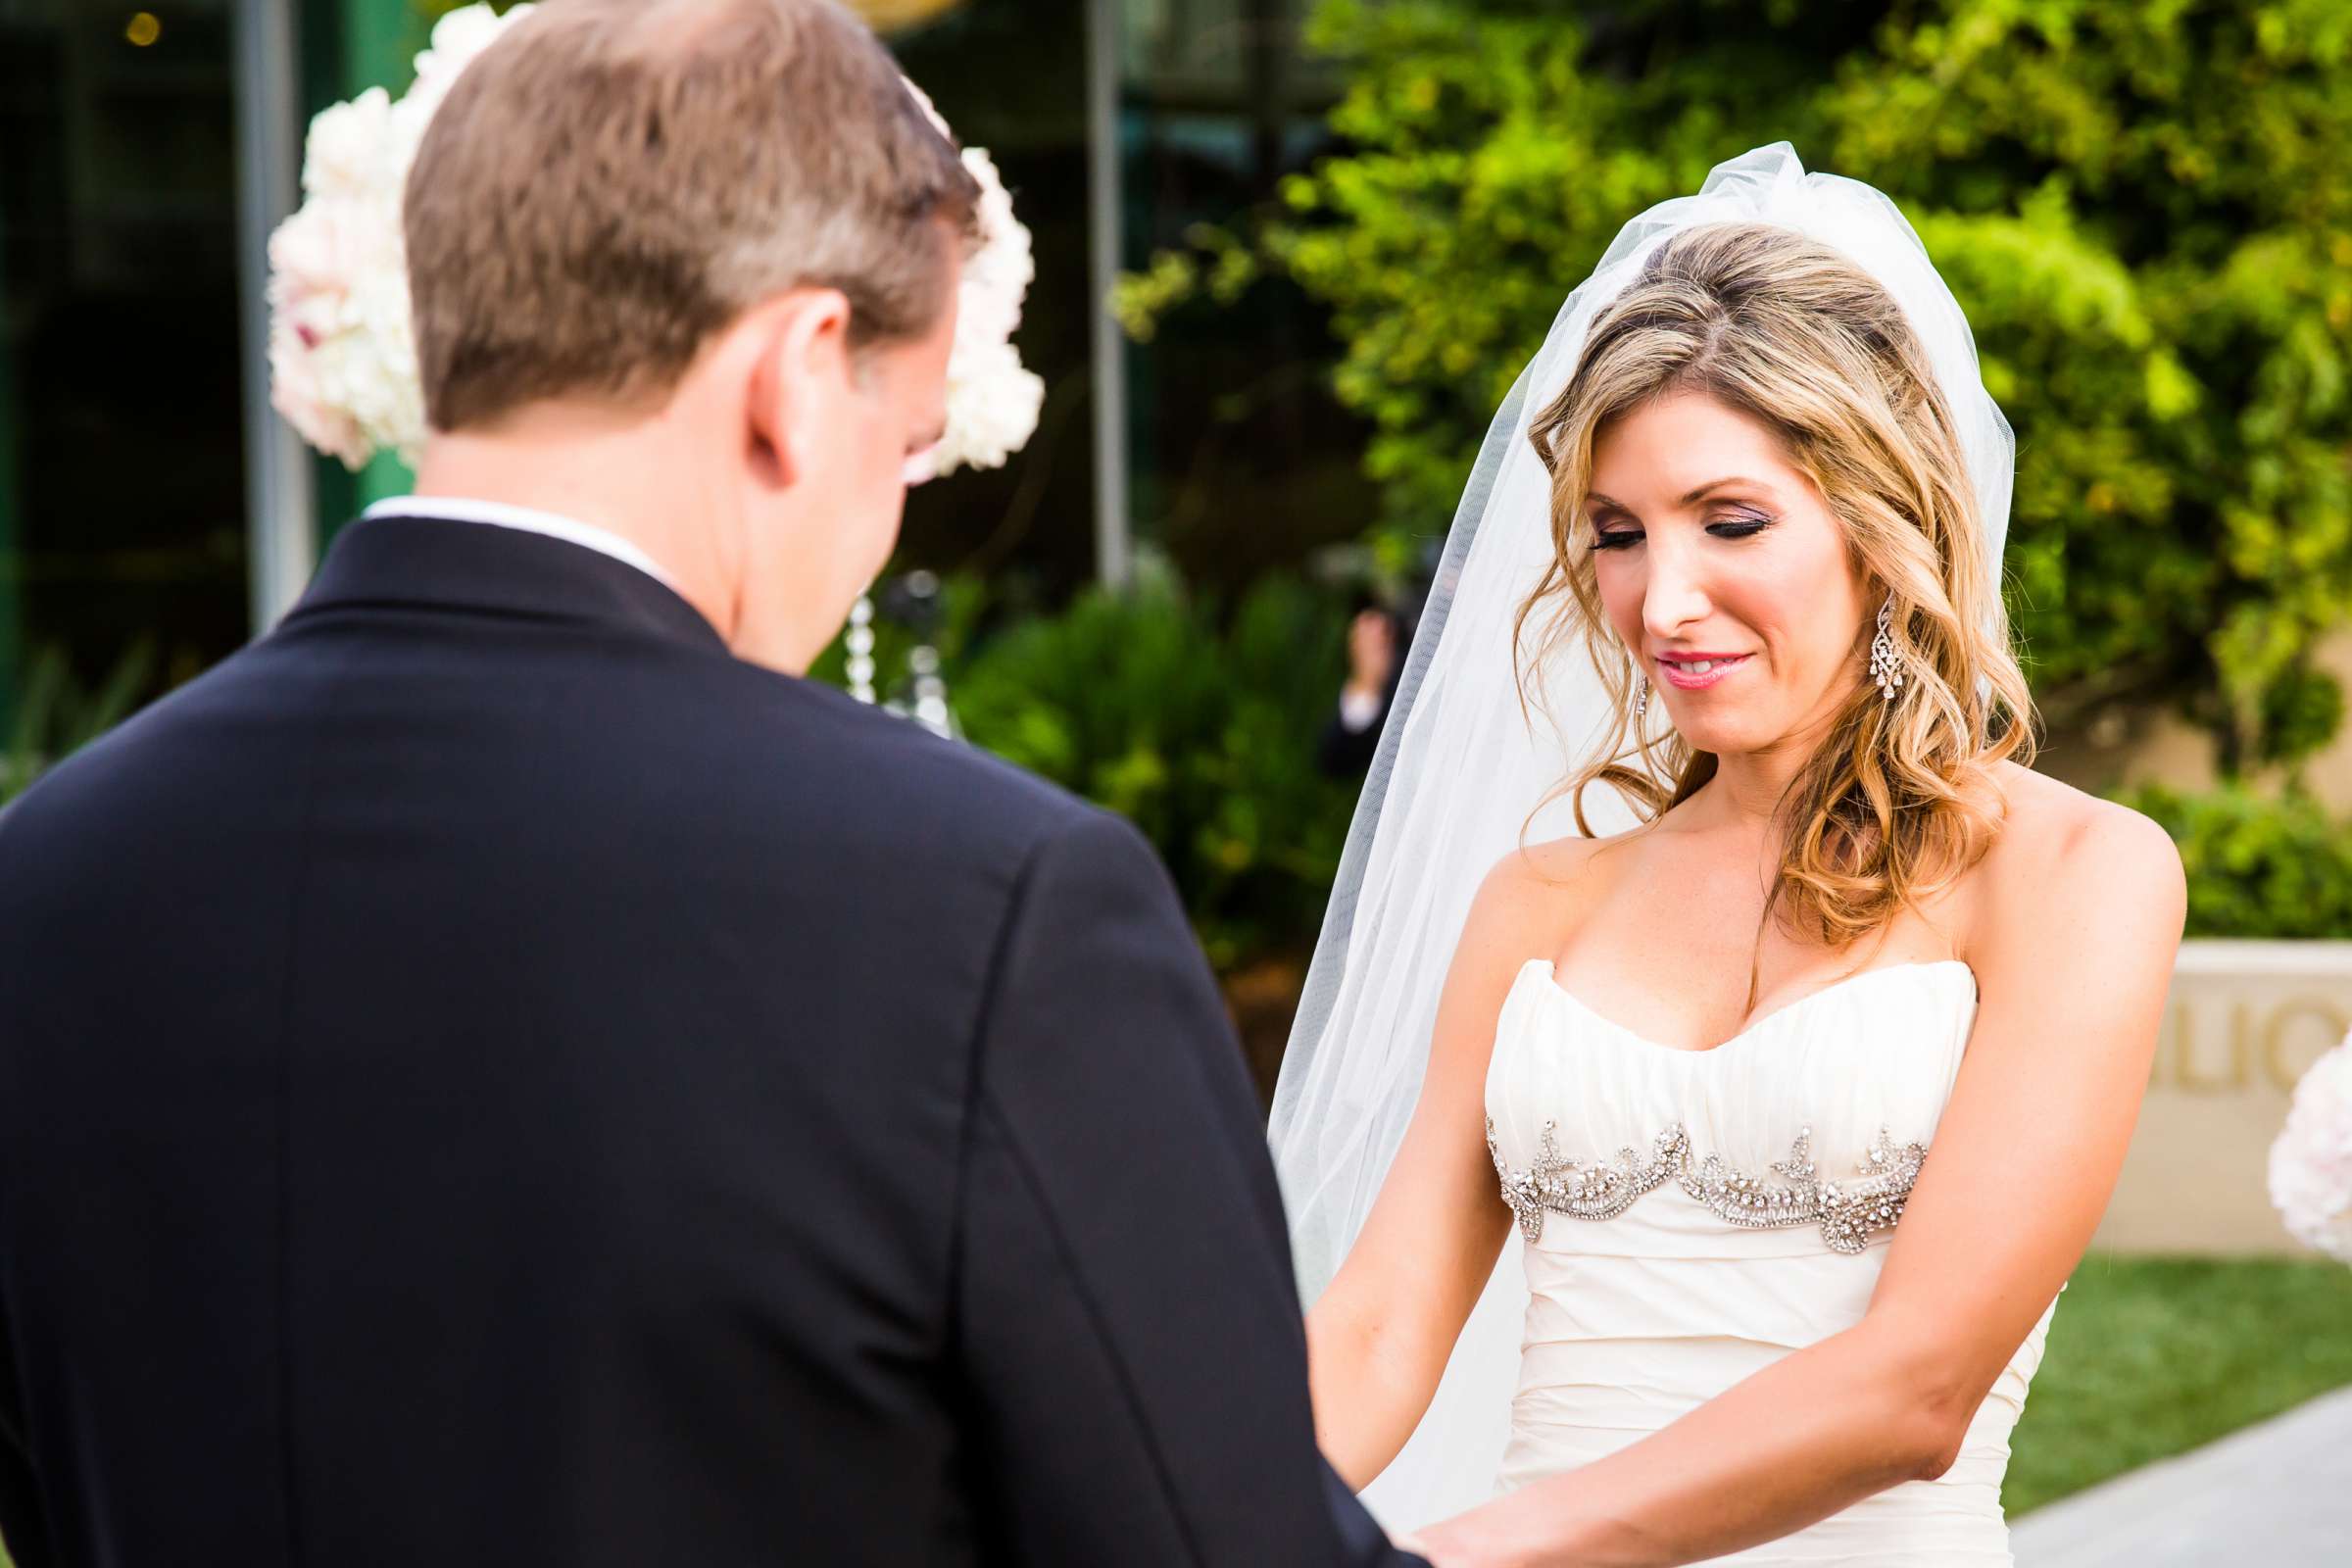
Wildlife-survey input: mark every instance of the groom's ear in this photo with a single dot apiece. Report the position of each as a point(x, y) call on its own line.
point(802, 367)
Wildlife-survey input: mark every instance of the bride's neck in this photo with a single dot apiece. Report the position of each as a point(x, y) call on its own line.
point(1749, 791)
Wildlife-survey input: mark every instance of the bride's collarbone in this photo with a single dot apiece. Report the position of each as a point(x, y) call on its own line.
point(1686, 983)
point(1660, 940)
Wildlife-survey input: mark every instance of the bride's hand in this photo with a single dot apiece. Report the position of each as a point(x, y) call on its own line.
point(1457, 1544)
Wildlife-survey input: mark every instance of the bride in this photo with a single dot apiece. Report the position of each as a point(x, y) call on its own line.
point(1721, 1046)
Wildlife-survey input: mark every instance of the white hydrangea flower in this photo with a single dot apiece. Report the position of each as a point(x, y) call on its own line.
point(316, 259)
point(992, 404)
point(2311, 1162)
point(992, 400)
point(343, 157)
point(342, 346)
point(459, 37)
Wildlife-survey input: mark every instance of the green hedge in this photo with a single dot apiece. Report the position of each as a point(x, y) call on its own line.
point(2257, 867)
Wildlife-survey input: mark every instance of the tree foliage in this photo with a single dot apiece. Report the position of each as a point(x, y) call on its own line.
point(2144, 206)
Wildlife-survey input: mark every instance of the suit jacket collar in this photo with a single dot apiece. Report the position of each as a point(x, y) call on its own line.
point(388, 560)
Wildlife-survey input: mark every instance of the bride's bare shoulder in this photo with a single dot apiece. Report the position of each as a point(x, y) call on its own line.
point(2055, 840)
point(1537, 891)
point(2041, 815)
point(1546, 868)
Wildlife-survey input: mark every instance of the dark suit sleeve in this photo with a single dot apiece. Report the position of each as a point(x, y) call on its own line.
point(1127, 1328)
point(24, 1531)
point(22, 1527)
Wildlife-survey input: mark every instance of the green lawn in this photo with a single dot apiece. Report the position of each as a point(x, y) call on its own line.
point(2150, 1356)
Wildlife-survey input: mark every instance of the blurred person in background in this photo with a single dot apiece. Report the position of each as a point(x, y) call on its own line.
point(1380, 633)
point(1376, 638)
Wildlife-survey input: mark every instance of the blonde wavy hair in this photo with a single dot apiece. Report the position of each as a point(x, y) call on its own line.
point(1899, 797)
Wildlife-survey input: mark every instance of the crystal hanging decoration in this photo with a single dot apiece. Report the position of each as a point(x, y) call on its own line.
point(860, 642)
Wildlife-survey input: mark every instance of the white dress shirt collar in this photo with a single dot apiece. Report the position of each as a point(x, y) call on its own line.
point(458, 509)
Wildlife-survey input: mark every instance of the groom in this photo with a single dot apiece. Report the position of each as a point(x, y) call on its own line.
point(503, 1071)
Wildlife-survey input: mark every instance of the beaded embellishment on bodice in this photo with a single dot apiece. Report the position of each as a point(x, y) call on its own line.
point(1846, 1213)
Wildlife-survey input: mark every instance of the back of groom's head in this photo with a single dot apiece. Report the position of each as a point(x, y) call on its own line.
point(614, 181)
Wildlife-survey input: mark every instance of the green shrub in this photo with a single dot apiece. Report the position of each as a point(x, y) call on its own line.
point(1196, 725)
point(56, 715)
point(2257, 867)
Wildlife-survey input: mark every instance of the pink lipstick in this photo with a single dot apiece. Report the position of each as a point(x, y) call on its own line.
point(1713, 667)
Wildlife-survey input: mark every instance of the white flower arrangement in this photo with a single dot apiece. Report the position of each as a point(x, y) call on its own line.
point(342, 350)
point(993, 401)
point(2310, 1162)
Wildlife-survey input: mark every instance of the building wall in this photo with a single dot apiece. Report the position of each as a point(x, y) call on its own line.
point(2156, 747)
point(2243, 1021)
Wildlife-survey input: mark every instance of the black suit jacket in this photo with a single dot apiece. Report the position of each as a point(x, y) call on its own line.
point(488, 1078)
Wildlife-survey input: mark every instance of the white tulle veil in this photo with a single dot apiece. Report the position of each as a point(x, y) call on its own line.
point(1460, 764)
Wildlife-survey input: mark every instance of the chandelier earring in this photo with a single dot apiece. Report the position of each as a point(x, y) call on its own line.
point(1640, 699)
point(1886, 665)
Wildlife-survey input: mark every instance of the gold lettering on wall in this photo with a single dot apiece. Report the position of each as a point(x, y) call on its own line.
point(2283, 1074)
point(2266, 1045)
point(2187, 1073)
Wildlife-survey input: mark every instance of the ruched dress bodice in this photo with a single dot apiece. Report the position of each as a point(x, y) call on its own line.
point(1690, 1216)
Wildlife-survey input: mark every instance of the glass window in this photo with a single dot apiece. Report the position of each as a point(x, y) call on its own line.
point(121, 461)
point(1240, 460)
point(1009, 76)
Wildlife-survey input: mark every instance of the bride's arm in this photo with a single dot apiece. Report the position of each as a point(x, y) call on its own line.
point(1379, 1337)
point(2073, 952)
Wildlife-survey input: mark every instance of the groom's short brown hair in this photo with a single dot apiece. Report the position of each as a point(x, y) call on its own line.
point(613, 181)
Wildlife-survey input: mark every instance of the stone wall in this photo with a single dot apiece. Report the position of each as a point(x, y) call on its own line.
point(2243, 1022)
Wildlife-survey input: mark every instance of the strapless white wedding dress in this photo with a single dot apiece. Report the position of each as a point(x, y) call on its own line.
point(1690, 1216)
